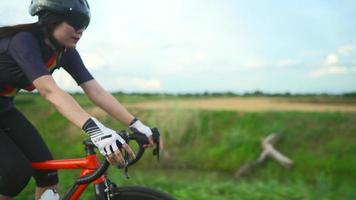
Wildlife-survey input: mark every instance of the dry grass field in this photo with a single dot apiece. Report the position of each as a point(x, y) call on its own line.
point(249, 104)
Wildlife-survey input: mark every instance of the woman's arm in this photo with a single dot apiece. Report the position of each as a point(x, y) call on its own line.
point(101, 136)
point(106, 101)
point(61, 100)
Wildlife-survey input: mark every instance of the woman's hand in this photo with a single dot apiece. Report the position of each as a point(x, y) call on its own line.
point(137, 126)
point(107, 141)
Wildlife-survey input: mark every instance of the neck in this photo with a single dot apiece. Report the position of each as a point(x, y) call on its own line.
point(50, 44)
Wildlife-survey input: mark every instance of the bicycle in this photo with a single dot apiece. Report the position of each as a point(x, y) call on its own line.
point(94, 172)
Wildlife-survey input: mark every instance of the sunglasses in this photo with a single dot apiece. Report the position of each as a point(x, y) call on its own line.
point(77, 22)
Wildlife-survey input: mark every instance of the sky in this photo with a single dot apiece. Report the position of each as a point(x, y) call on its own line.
point(190, 46)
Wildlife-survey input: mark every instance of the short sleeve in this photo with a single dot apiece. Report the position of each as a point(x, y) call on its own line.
point(73, 64)
point(25, 50)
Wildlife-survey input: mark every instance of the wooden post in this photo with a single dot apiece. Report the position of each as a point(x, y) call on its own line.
point(268, 151)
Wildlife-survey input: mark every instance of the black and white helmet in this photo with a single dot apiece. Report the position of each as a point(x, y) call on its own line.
point(62, 7)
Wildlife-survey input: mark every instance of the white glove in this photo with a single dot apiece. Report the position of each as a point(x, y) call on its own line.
point(137, 126)
point(102, 137)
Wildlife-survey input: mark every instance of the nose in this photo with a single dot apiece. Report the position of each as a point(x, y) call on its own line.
point(80, 31)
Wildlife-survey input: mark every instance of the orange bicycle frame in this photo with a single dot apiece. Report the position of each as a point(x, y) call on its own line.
point(88, 165)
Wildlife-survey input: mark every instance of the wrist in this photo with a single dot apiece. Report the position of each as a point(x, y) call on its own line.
point(89, 123)
point(133, 121)
point(93, 127)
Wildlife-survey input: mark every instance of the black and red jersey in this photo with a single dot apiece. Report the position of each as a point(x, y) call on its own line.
point(25, 57)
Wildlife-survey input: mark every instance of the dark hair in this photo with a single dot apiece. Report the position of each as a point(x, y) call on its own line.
point(46, 23)
point(7, 31)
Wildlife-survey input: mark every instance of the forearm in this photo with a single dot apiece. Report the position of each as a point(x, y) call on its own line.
point(62, 101)
point(107, 102)
point(68, 107)
point(113, 107)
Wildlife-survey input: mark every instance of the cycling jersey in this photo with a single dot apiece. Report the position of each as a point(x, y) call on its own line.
point(25, 57)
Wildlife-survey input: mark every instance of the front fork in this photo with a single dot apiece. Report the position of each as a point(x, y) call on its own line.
point(104, 190)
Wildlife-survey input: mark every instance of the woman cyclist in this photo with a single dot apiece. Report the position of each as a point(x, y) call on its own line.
point(29, 53)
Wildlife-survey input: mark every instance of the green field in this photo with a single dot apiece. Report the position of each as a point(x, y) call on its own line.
point(204, 149)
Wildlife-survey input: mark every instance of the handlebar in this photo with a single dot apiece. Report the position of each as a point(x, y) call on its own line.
point(139, 138)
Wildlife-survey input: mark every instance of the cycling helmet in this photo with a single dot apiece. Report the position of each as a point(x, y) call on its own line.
point(71, 9)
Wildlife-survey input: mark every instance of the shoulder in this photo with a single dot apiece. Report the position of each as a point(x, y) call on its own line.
point(70, 55)
point(24, 40)
point(24, 37)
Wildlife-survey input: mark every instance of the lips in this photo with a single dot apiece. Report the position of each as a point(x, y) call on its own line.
point(76, 39)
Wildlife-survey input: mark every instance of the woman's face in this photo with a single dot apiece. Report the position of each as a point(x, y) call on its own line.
point(66, 35)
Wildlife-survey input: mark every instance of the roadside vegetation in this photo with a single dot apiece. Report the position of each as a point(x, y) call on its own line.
point(204, 148)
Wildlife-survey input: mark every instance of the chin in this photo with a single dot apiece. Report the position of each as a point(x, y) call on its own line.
point(70, 46)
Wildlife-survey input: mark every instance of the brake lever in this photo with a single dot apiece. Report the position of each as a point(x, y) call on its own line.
point(156, 139)
point(125, 136)
point(126, 170)
point(141, 140)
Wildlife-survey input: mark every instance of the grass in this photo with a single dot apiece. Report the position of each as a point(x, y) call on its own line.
point(205, 148)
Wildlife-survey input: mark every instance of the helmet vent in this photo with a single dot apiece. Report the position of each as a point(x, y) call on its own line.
point(84, 3)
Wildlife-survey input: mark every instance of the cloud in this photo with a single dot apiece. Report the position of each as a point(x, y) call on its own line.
point(256, 64)
point(353, 69)
point(331, 70)
point(137, 84)
point(93, 61)
point(65, 81)
point(331, 59)
point(15, 12)
point(263, 64)
point(332, 66)
point(156, 44)
point(346, 49)
point(288, 63)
